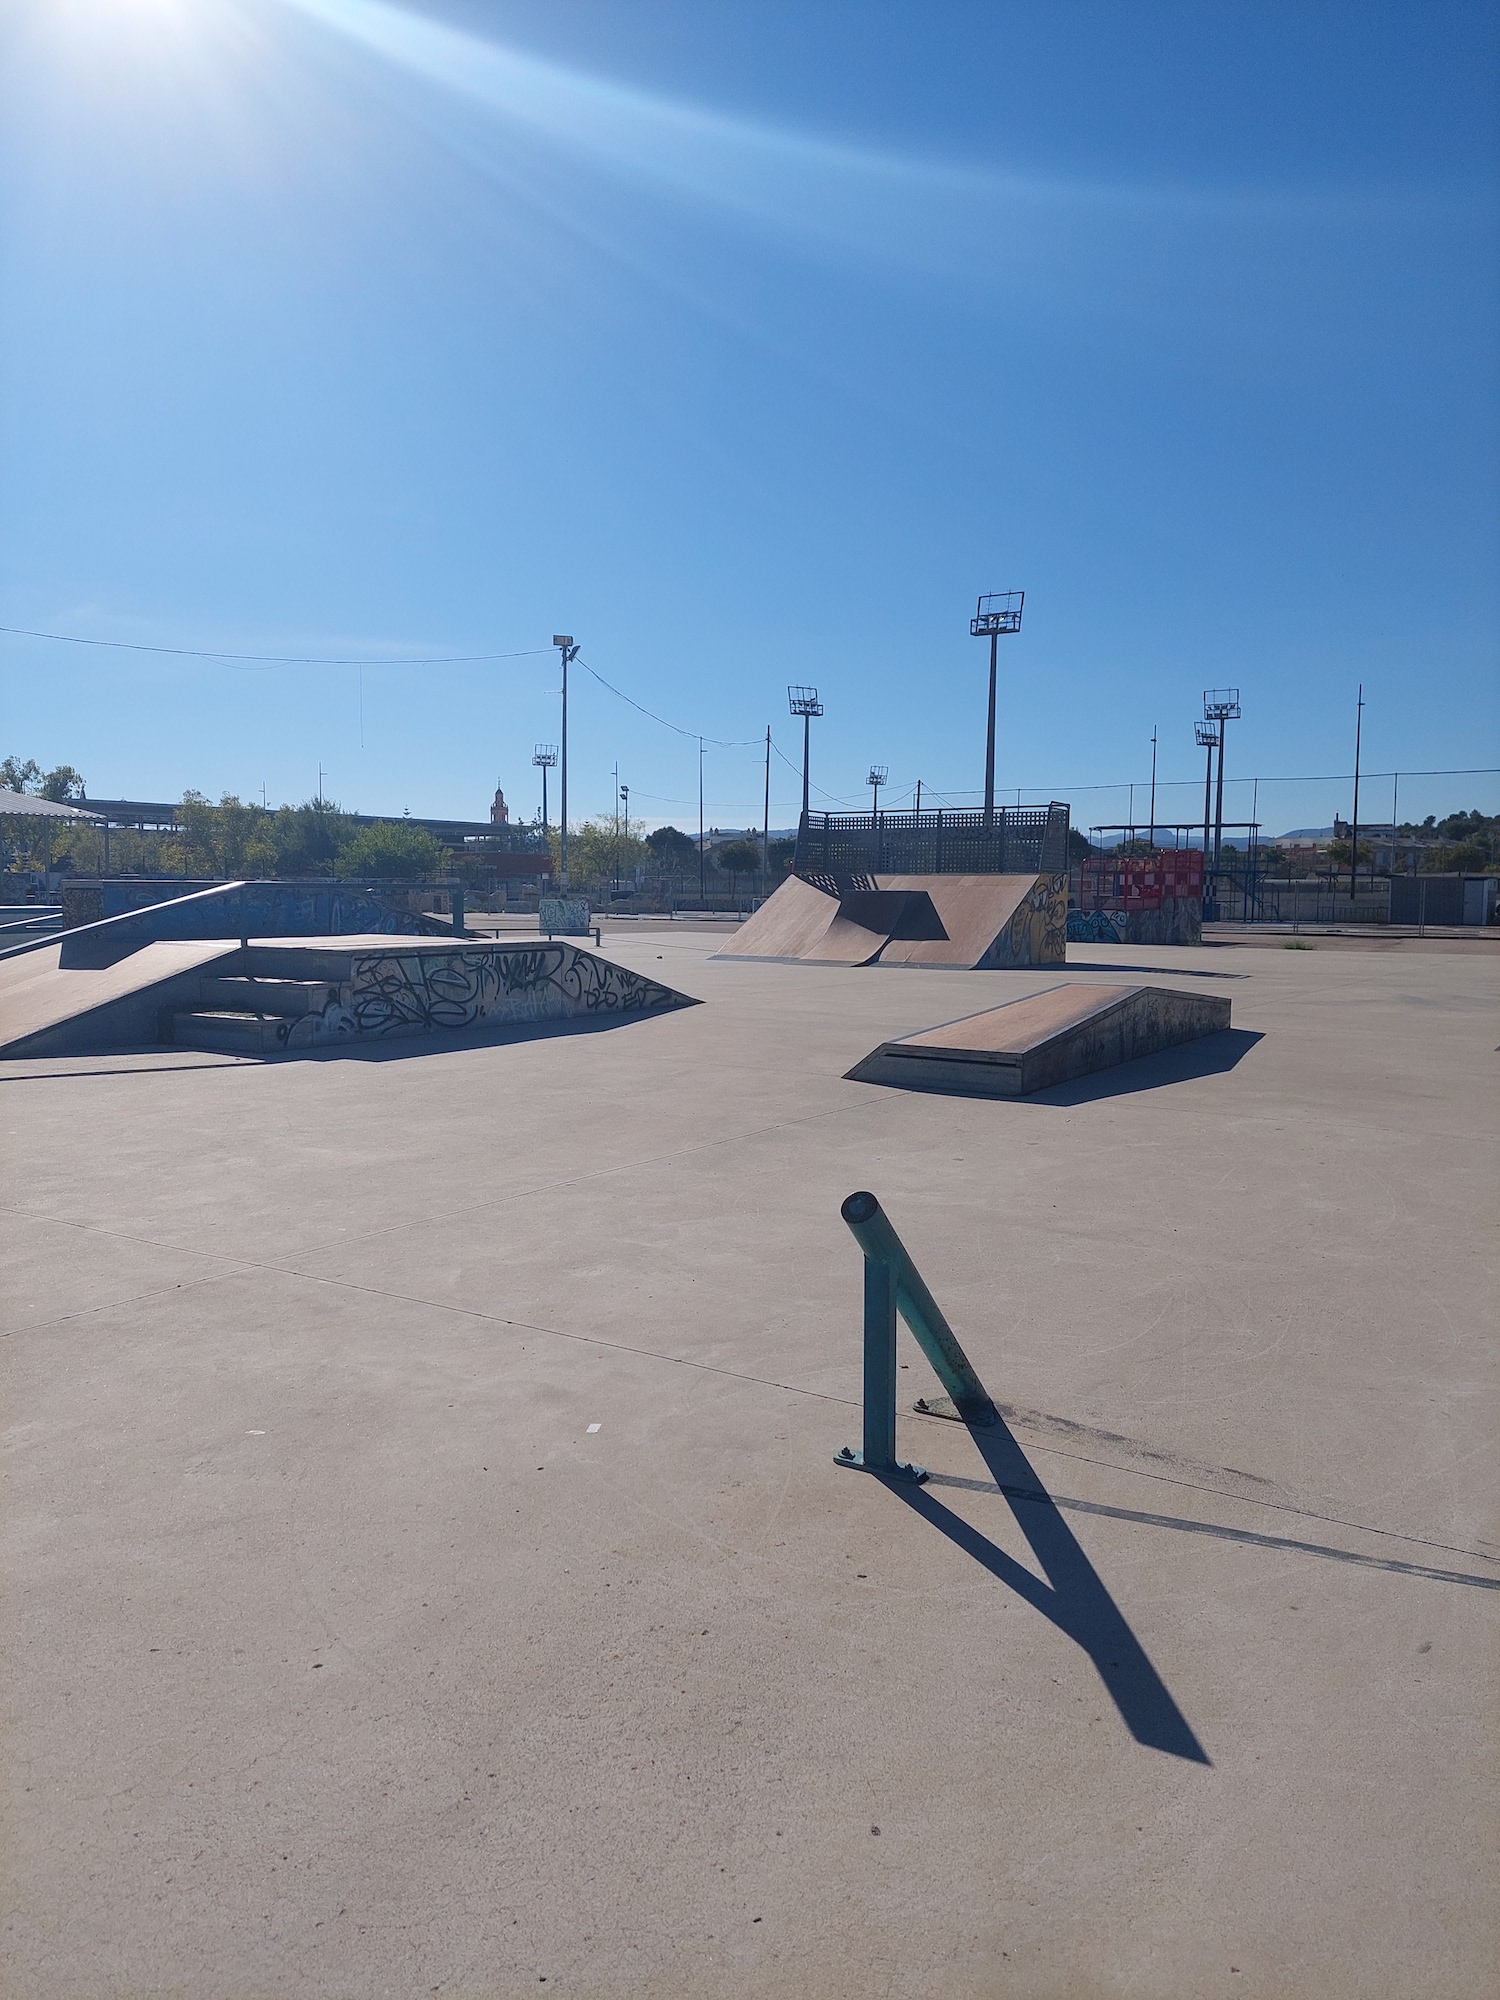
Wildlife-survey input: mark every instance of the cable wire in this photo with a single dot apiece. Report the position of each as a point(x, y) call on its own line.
point(271, 659)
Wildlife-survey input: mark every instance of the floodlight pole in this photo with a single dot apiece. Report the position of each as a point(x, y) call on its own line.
point(702, 869)
point(765, 837)
point(1151, 835)
point(564, 644)
point(1359, 716)
point(878, 775)
point(996, 613)
point(804, 701)
point(1208, 735)
point(544, 756)
point(989, 737)
point(1220, 706)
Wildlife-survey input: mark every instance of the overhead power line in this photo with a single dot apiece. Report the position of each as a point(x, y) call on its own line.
point(693, 735)
point(272, 659)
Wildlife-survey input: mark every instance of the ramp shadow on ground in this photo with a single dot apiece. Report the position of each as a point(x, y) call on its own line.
point(1173, 971)
point(1213, 1055)
point(1073, 1597)
point(442, 1041)
point(367, 1049)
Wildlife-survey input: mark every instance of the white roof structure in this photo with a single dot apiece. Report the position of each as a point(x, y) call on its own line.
point(25, 805)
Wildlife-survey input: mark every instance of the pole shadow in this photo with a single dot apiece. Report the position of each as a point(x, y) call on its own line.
point(1073, 1597)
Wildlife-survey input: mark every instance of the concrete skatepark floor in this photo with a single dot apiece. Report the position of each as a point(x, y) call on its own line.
point(347, 1658)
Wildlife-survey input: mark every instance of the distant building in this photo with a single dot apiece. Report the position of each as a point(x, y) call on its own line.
point(499, 811)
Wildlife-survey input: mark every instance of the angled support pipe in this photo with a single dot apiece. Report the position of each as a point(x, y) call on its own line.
point(893, 1284)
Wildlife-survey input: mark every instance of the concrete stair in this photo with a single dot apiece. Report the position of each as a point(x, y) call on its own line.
point(291, 997)
point(231, 1034)
point(248, 1016)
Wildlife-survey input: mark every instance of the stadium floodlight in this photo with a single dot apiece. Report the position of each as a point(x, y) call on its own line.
point(544, 756)
point(996, 613)
point(1220, 705)
point(879, 773)
point(999, 612)
point(804, 701)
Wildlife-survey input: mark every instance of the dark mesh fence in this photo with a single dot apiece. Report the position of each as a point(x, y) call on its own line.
point(1019, 840)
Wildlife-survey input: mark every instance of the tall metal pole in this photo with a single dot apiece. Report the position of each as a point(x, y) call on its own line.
point(544, 802)
point(1359, 716)
point(1209, 737)
point(702, 871)
point(1152, 835)
point(989, 739)
point(919, 798)
point(1219, 804)
point(806, 748)
point(564, 644)
point(563, 776)
point(765, 832)
point(1395, 834)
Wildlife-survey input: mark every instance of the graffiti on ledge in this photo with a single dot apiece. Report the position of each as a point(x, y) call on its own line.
point(392, 993)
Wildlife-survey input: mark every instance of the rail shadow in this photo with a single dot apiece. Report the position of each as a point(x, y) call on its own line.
point(1073, 1597)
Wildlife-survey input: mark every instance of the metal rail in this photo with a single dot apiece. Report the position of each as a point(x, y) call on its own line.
point(894, 1285)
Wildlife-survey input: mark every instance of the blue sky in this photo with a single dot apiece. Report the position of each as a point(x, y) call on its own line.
point(748, 343)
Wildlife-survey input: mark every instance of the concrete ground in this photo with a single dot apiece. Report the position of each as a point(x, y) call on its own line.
point(427, 1572)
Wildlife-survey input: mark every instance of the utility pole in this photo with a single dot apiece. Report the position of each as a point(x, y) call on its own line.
point(804, 701)
point(614, 867)
point(702, 856)
point(919, 798)
point(1359, 716)
point(1151, 836)
point(765, 837)
point(564, 644)
point(878, 776)
point(999, 612)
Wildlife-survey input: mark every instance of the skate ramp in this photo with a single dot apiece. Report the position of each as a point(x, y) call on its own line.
point(280, 996)
point(968, 921)
point(48, 1004)
point(1067, 1031)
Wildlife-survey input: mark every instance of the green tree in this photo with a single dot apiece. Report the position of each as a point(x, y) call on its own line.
point(783, 853)
point(1338, 853)
point(597, 852)
point(21, 775)
point(392, 849)
point(672, 848)
point(61, 785)
point(309, 838)
point(736, 858)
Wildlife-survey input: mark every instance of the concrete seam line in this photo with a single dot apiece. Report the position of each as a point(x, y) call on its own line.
point(130, 1299)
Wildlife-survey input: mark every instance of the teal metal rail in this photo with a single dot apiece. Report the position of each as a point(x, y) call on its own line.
point(894, 1285)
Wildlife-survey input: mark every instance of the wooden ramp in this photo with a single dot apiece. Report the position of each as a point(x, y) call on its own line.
point(977, 922)
point(1047, 1038)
